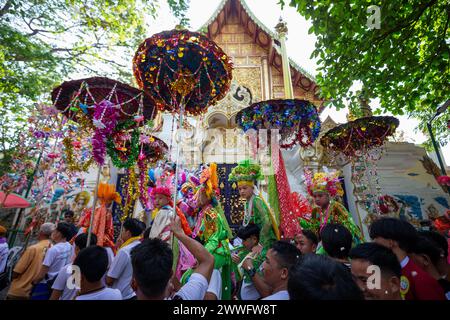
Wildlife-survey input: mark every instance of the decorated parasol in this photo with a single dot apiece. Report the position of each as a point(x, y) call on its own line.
point(296, 122)
point(184, 72)
point(105, 109)
point(361, 142)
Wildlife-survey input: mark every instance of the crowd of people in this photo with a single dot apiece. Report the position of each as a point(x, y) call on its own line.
point(187, 251)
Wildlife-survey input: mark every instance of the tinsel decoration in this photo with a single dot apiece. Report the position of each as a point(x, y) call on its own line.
point(298, 121)
point(72, 164)
point(105, 120)
point(131, 195)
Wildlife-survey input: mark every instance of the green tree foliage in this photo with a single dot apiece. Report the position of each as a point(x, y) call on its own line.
point(405, 62)
point(43, 41)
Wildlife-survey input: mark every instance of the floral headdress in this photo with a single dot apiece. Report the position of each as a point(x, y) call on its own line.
point(163, 185)
point(246, 172)
point(209, 180)
point(324, 182)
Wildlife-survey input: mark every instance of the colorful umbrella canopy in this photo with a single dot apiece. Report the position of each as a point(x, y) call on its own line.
point(180, 67)
point(13, 200)
point(356, 137)
point(297, 120)
point(83, 94)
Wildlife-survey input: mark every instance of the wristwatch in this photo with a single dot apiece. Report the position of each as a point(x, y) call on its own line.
point(252, 272)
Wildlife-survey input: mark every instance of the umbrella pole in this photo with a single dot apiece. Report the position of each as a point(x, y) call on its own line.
point(91, 220)
point(175, 192)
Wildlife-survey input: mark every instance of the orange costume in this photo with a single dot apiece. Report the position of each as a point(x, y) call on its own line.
point(102, 225)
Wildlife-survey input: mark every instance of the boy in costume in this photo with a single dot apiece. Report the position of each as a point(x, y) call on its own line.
point(247, 174)
point(212, 228)
point(325, 188)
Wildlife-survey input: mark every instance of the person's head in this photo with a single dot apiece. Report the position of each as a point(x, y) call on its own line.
point(161, 200)
point(442, 264)
point(201, 198)
point(2, 232)
point(336, 240)
point(152, 269)
point(279, 259)
point(62, 232)
point(93, 263)
point(321, 199)
point(46, 230)
point(146, 233)
point(317, 277)
point(68, 216)
point(81, 242)
point(395, 234)
point(131, 228)
point(366, 259)
point(306, 241)
point(249, 235)
point(426, 254)
point(246, 189)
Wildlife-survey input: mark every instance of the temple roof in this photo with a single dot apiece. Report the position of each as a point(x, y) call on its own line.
point(262, 36)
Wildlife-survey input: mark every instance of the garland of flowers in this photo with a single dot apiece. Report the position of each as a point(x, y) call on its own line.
point(134, 146)
point(73, 165)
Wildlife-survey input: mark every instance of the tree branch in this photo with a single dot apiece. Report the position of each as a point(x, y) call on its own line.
point(5, 8)
point(410, 20)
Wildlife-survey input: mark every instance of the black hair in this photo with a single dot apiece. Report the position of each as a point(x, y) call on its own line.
point(135, 226)
point(428, 247)
point(287, 254)
point(440, 240)
point(336, 240)
point(65, 229)
point(146, 233)
point(250, 230)
point(81, 240)
point(398, 230)
point(69, 213)
point(378, 255)
point(93, 263)
point(311, 236)
point(317, 277)
point(152, 266)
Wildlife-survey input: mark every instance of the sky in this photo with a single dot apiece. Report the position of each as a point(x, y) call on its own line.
point(299, 45)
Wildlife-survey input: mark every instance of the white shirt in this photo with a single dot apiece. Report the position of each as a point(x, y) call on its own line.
point(280, 295)
point(215, 284)
point(4, 252)
point(57, 257)
point(249, 292)
point(194, 289)
point(104, 294)
point(122, 270)
point(60, 283)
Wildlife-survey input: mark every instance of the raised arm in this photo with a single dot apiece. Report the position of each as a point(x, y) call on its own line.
point(205, 259)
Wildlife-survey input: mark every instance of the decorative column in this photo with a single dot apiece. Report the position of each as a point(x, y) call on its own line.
point(282, 30)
